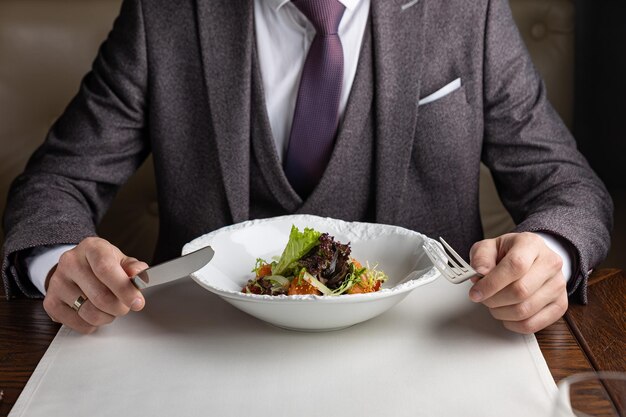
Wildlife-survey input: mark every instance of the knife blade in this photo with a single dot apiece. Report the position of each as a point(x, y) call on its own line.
point(173, 269)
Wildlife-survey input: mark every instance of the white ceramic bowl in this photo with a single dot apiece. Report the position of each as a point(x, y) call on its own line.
point(397, 251)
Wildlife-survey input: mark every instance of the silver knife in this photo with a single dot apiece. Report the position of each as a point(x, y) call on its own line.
point(173, 269)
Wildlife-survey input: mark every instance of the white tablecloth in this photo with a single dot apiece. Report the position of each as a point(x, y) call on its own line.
point(191, 354)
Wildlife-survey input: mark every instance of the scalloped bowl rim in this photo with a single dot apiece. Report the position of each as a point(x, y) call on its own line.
point(413, 280)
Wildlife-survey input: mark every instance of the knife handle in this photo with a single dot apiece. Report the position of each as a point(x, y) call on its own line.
point(139, 283)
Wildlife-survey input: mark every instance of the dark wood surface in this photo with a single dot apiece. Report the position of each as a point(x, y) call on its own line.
point(600, 327)
point(25, 333)
point(588, 338)
point(591, 338)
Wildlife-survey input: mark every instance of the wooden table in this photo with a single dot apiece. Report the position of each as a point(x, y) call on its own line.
point(589, 337)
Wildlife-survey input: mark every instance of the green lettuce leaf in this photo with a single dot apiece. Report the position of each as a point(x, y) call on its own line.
point(299, 244)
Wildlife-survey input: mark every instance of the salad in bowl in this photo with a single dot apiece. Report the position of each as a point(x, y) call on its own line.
point(313, 263)
point(311, 273)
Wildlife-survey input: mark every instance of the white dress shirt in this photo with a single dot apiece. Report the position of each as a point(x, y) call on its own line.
point(283, 36)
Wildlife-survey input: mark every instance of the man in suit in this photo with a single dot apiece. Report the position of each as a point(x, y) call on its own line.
point(402, 100)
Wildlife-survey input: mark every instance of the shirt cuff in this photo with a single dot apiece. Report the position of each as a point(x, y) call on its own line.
point(41, 260)
point(561, 249)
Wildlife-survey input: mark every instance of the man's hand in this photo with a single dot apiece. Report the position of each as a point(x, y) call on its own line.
point(523, 284)
point(100, 272)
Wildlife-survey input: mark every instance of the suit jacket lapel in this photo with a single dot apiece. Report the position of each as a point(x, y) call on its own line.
point(225, 29)
point(398, 40)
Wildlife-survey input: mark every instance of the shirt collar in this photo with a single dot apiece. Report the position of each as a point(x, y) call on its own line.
point(277, 4)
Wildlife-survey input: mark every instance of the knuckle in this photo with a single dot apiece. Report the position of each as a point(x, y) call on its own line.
point(488, 287)
point(103, 299)
point(494, 313)
point(518, 264)
point(91, 241)
point(50, 305)
point(522, 310)
point(561, 286)
point(67, 259)
point(520, 290)
point(562, 305)
point(477, 246)
point(54, 285)
point(526, 327)
point(555, 262)
point(101, 265)
point(490, 303)
point(530, 238)
point(88, 244)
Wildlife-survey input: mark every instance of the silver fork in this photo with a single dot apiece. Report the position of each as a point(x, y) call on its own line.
point(450, 264)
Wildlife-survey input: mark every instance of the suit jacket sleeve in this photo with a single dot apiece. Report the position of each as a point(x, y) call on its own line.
point(90, 151)
point(544, 182)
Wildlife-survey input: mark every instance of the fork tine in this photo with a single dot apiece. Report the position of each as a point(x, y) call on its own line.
point(459, 260)
point(452, 263)
point(439, 259)
point(434, 258)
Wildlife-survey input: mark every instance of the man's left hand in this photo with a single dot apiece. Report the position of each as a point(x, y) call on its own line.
point(523, 284)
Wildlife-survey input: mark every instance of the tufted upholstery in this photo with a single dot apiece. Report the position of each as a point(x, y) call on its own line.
point(46, 46)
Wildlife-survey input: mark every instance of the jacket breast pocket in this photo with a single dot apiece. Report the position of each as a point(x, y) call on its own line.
point(442, 92)
point(446, 128)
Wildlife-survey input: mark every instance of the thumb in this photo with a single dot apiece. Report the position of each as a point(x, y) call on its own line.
point(132, 267)
point(483, 256)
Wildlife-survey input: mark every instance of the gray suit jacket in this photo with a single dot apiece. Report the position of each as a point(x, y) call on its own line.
point(173, 78)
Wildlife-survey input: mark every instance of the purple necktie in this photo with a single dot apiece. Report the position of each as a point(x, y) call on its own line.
point(316, 118)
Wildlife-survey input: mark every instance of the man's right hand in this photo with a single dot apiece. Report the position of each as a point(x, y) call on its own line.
point(99, 272)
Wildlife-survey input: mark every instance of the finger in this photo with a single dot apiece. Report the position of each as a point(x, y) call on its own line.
point(105, 262)
point(484, 255)
point(547, 294)
point(101, 297)
point(67, 278)
point(93, 315)
point(524, 288)
point(69, 293)
point(513, 266)
point(551, 313)
point(60, 312)
point(546, 265)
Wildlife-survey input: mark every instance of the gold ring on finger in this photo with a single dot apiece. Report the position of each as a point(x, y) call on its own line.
point(78, 303)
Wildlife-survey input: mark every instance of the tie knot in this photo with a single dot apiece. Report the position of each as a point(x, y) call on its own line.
point(325, 15)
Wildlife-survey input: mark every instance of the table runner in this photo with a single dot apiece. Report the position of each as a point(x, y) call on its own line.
point(189, 353)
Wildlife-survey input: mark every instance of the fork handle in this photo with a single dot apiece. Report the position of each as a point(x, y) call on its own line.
point(462, 278)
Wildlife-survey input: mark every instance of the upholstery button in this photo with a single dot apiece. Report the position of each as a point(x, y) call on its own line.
point(153, 208)
point(539, 31)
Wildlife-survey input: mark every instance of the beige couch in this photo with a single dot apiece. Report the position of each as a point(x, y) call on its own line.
point(46, 46)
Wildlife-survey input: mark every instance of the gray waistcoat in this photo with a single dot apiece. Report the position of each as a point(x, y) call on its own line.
point(346, 190)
